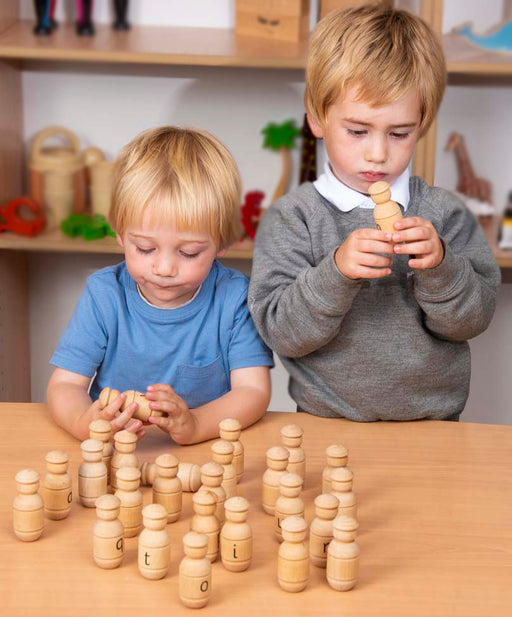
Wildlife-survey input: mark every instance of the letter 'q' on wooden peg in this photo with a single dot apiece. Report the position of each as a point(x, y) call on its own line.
point(195, 574)
point(386, 212)
point(320, 530)
point(230, 430)
point(154, 546)
point(291, 436)
point(167, 486)
point(124, 453)
point(108, 533)
point(236, 536)
point(343, 555)
point(337, 456)
point(92, 473)
point(56, 487)
point(277, 462)
point(293, 558)
point(28, 506)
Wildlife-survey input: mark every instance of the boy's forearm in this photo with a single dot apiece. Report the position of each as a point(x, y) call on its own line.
point(68, 404)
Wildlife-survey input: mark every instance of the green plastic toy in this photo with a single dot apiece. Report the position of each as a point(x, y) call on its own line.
point(89, 227)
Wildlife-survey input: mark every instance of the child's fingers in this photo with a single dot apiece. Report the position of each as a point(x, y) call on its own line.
point(363, 272)
point(414, 248)
point(410, 221)
point(159, 387)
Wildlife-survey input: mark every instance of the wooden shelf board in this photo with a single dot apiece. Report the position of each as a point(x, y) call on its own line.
point(464, 57)
point(491, 226)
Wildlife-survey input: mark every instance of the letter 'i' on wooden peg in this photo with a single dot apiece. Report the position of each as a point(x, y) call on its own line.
point(102, 430)
point(92, 473)
point(108, 533)
point(195, 575)
point(386, 212)
point(291, 436)
point(154, 544)
point(205, 521)
point(337, 456)
point(124, 455)
point(56, 487)
point(343, 554)
point(211, 476)
point(190, 476)
point(230, 430)
point(277, 462)
point(289, 502)
point(128, 493)
point(236, 536)
point(222, 452)
point(167, 486)
point(293, 558)
point(320, 530)
point(28, 506)
point(341, 487)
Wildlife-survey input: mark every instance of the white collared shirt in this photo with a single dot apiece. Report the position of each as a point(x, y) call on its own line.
point(346, 199)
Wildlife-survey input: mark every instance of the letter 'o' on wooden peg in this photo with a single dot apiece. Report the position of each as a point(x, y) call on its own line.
point(28, 506)
point(56, 487)
point(195, 574)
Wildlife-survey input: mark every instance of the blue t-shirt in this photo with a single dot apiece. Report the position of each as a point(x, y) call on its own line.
point(130, 344)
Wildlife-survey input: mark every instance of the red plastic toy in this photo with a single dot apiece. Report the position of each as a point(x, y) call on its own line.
point(251, 212)
point(15, 223)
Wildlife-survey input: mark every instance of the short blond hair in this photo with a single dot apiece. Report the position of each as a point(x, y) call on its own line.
point(386, 53)
point(184, 177)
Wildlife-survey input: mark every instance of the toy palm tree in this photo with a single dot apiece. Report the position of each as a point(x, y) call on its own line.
point(281, 137)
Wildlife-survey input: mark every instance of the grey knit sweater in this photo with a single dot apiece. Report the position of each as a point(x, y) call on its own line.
point(393, 348)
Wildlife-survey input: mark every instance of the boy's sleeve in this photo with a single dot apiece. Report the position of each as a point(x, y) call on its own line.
point(81, 348)
point(297, 306)
point(458, 297)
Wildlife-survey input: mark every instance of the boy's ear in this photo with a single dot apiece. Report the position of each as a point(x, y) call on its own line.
point(221, 253)
point(315, 126)
point(119, 240)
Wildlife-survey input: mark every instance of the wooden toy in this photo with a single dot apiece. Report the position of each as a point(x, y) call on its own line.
point(211, 477)
point(121, 12)
point(281, 137)
point(12, 215)
point(289, 502)
point(337, 456)
point(100, 187)
point(92, 473)
point(341, 487)
point(128, 481)
point(84, 24)
point(291, 436)
point(56, 487)
point(107, 395)
point(343, 555)
point(236, 536)
point(468, 184)
point(293, 558)
point(28, 506)
point(108, 533)
point(43, 25)
point(222, 452)
point(277, 461)
point(154, 555)
point(167, 489)
point(286, 20)
point(308, 168)
point(320, 530)
point(195, 574)
point(124, 455)
point(327, 6)
point(386, 212)
point(188, 473)
point(230, 430)
point(102, 430)
point(205, 521)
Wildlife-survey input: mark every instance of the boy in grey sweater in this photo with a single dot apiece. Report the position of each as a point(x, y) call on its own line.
point(373, 325)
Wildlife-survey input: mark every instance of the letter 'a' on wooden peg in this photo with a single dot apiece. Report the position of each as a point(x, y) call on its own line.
point(154, 554)
point(56, 487)
point(211, 476)
point(28, 506)
point(205, 521)
point(289, 502)
point(102, 430)
point(108, 533)
point(291, 436)
point(343, 555)
point(128, 493)
point(320, 530)
point(124, 453)
point(337, 456)
point(190, 476)
point(195, 574)
point(386, 212)
point(167, 489)
point(92, 473)
point(341, 487)
point(236, 536)
point(277, 462)
point(222, 452)
point(293, 558)
point(230, 430)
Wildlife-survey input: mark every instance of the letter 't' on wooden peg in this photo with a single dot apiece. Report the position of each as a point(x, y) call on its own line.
point(56, 488)
point(320, 530)
point(28, 506)
point(230, 430)
point(167, 489)
point(236, 536)
point(343, 555)
point(277, 462)
point(195, 575)
point(337, 456)
point(386, 212)
point(108, 533)
point(222, 452)
point(291, 437)
point(293, 558)
point(92, 473)
point(154, 546)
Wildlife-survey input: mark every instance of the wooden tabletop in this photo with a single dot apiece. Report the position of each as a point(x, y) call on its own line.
point(435, 514)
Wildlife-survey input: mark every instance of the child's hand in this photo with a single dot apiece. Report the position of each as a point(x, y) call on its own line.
point(358, 257)
point(123, 420)
point(417, 237)
point(179, 422)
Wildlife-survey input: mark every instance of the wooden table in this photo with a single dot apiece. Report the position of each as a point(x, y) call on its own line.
point(435, 519)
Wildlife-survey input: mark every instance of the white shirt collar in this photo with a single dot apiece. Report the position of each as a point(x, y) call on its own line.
point(346, 199)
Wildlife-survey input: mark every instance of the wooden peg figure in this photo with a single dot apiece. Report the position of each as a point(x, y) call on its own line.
point(291, 436)
point(143, 411)
point(341, 487)
point(386, 212)
point(195, 574)
point(92, 473)
point(28, 507)
point(343, 555)
point(188, 473)
point(167, 489)
point(124, 455)
point(108, 533)
point(320, 530)
point(128, 493)
point(205, 521)
point(56, 488)
point(289, 502)
point(277, 461)
point(337, 456)
point(236, 536)
point(154, 554)
point(211, 476)
point(293, 558)
point(230, 429)
point(102, 430)
point(222, 452)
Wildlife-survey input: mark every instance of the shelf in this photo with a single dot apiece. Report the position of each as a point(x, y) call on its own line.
point(463, 57)
point(491, 226)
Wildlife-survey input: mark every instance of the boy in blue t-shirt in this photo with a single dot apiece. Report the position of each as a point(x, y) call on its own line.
point(170, 320)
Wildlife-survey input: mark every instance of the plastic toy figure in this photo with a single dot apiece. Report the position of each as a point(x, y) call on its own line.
point(43, 26)
point(121, 11)
point(84, 25)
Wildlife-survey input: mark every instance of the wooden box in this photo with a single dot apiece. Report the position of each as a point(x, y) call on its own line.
point(326, 6)
point(285, 20)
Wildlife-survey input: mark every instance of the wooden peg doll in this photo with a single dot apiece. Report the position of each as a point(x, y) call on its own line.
point(386, 212)
point(108, 533)
point(56, 487)
point(28, 506)
point(154, 554)
point(92, 473)
point(236, 536)
point(195, 574)
point(293, 558)
point(230, 430)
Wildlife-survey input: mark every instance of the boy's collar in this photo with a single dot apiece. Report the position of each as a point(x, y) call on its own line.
point(346, 199)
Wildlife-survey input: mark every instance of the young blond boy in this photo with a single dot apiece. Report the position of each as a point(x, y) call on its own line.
point(373, 325)
point(170, 320)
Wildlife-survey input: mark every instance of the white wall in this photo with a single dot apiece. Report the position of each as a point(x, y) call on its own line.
point(107, 107)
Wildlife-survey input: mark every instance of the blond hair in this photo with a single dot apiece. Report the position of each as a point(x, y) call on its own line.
point(386, 53)
point(183, 177)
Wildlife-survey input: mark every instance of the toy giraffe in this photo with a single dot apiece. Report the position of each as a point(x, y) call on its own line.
point(468, 184)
